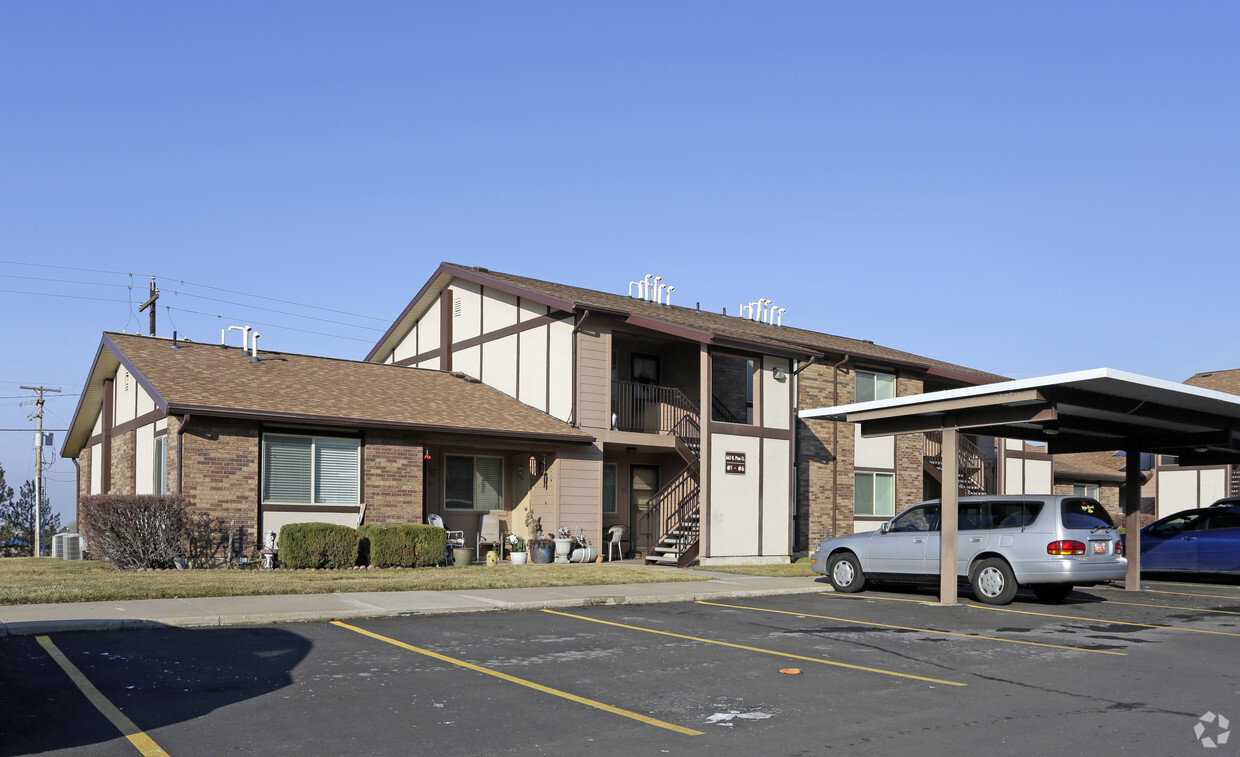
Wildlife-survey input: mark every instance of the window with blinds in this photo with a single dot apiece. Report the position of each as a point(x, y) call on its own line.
point(311, 470)
point(473, 483)
point(875, 386)
point(159, 465)
point(874, 493)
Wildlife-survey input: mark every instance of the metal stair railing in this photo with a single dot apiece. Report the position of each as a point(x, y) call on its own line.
point(649, 408)
point(671, 514)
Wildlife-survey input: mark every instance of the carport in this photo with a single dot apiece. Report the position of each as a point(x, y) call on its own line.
point(1087, 411)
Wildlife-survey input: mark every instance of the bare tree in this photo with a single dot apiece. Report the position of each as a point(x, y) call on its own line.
point(17, 514)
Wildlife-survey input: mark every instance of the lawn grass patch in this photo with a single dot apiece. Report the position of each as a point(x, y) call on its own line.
point(43, 580)
point(797, 569)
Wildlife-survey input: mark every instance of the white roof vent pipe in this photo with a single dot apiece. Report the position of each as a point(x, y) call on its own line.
point(668, 301)
point(656, 289)
point(254, 348)
point(779, 319)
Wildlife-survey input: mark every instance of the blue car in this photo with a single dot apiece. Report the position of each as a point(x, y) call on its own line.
point(1204, 540)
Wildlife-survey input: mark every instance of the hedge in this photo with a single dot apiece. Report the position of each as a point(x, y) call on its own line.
point(135, 530)
point(318, 545)
point(409, 545)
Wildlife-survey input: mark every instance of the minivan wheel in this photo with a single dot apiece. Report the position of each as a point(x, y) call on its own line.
point(993, 582)
point(845, 573)
point(1051, 592)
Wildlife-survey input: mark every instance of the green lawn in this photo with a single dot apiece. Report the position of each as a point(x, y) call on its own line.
point(30, 580)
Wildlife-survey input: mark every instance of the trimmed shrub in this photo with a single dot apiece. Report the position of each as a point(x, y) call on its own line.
point(135, 530)
point(317, 545)
point(409, 545)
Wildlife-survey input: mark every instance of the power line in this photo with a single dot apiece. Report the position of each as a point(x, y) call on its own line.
point(273, 325)
point(272, 310)
point(192, 283)
point(63, 296)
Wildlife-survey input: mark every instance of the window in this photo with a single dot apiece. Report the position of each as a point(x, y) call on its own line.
point(159, 465)
point(1085, 490)
point(473, 483)
point(609, 487)
point(311, 470)
point(731, 388)
point(921, 518)
point(875, 386)
point(874, 493)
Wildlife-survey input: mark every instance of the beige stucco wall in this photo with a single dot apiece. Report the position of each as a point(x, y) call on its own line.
point(1185, 489)
point(776, 395)
point(873, 452)
point(1027, 476)
point(734, 497)
point(560, 375)
point(776, 497)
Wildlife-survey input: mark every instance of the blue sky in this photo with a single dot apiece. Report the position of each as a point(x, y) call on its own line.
point(1024, 188)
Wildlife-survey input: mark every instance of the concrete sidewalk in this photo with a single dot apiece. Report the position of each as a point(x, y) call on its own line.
point(288, 608)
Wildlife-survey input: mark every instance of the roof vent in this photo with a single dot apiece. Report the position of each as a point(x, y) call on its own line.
point(652, 289)
point(763, 311)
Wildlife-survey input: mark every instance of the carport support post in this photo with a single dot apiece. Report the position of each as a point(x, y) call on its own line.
point(949, 518)
point(1132, 518)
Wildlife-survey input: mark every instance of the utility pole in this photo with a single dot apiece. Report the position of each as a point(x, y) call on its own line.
point(150, 303)
point(38, 457)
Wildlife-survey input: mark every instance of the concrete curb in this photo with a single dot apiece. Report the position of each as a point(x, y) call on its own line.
point(352, 607)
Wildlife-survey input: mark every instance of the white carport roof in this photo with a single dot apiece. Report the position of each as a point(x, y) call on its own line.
point(1086, 411)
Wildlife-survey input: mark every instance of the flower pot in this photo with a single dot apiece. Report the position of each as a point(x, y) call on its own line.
point(519, 558)
point(562, 549)
point(462, 556)
point(584, 554)
point(540, 555)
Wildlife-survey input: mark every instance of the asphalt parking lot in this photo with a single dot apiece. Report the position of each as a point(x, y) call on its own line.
point(878, 673)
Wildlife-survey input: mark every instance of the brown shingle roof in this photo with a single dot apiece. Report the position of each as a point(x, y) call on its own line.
point(1219, 381)
point(1096, 466)
point(783, 338)
point(215, 380)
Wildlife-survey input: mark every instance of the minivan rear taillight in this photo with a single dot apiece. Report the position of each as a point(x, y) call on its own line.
point(1119, 547)
point(1066, 547)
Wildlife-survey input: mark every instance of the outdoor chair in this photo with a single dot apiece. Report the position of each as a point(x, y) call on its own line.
point(615, 536)
point(488, 534)
point(456, 539)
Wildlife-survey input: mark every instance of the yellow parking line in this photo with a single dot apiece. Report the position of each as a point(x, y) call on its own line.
point(1170, 607)
point(758, 649)
point(143, 743)
point(1102, 620)
point(920, 630)
point(1176, 593)
point(521, 681)
point(885, 599)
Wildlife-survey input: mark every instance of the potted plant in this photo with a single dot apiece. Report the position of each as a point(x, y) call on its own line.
point(563, 544)
point(517, 553)
point(541, 548)
point(582, 551)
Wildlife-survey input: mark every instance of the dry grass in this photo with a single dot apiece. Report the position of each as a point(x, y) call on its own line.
point(29, 580)
point(786, 570)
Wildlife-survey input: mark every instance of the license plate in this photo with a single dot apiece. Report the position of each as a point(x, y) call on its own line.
point(1100, 547)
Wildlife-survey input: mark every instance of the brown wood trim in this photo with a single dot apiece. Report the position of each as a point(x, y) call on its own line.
point(506, 331)
point(744, 429)
point(311, 508)
point(445, 330)
point(137, 423)
point(109, 399)
point(161, 432)
point(96, 439)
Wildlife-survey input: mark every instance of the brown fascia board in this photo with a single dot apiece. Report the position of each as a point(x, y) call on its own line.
point(335, 421)
point(94, 377)
point(962, 378)
point(455, 271)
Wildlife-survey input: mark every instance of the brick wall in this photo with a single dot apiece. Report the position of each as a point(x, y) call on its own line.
point(221, 471)
point(83, 481)
point(910, 453)
point(123, 471)
point(824, 498)
point(393, 479)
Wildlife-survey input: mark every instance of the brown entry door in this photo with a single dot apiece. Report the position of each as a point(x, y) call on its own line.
point(643, 484)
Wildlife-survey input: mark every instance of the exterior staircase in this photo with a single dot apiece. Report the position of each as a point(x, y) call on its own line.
point(975, 471)
point(671, 524)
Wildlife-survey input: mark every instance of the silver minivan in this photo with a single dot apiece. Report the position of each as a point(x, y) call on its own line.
point(1047, 542)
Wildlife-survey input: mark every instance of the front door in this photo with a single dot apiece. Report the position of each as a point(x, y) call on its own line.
point(643, 485)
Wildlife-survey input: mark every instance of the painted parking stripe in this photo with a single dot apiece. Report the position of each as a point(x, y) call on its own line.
point(1101, 620)
point(759, 649)
point(867, 597)
point(1176, 593)
point(1170, 607)
point(920, 630)
point(521, 681)
point(143, 743)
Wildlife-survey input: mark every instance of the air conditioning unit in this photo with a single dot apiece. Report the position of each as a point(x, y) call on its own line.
point(75, 547)
point(58, 546)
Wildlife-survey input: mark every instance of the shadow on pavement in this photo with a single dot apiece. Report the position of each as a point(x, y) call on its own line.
point(156, 677)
